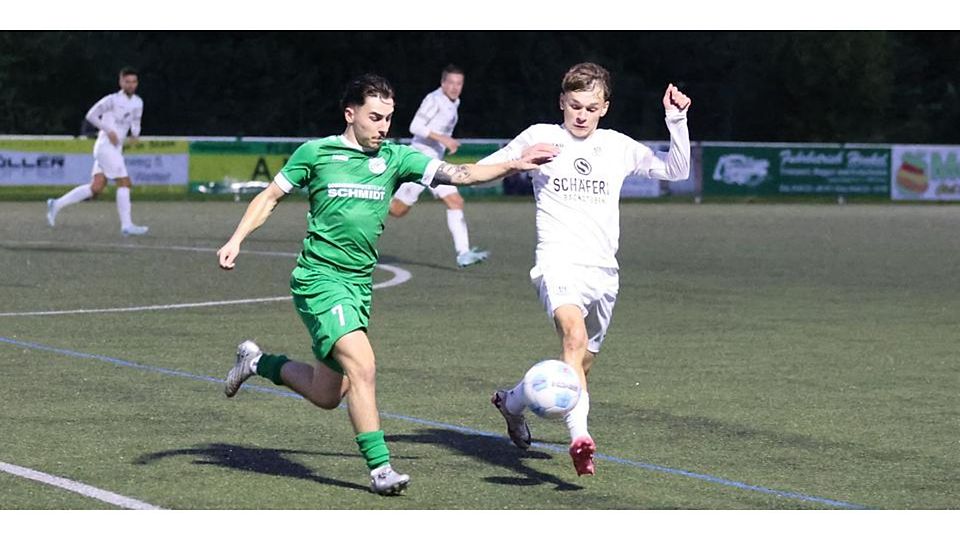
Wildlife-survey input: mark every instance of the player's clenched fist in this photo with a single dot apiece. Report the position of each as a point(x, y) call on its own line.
point(675, 100)
point(227, 255)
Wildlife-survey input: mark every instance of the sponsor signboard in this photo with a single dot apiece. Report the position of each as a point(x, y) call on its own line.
point(783, 170)
point(70, 161)
point(929, 173)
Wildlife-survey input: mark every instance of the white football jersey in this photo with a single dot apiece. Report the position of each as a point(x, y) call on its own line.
point(116, 112)
point(578, 193)
point(437, 114)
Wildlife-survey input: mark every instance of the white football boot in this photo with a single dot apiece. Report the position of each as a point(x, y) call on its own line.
point(386, 481)
point(242, 370)
point(474, 256)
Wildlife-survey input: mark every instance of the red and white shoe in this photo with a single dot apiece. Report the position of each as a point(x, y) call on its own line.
point(581, 450)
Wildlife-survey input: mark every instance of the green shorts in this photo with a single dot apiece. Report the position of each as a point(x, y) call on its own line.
point(337, 308)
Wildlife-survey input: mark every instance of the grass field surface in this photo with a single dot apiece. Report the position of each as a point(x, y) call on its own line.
point(760, 357)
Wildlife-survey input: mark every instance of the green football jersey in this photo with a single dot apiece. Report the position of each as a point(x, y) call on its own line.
point(350, 192)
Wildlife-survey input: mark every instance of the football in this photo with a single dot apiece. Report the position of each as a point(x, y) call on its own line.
point(551, 388)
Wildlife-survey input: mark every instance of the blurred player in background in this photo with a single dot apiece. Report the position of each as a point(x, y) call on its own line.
point(114, 115)
point(578, 229)
point(349, 178)
point(432, 129)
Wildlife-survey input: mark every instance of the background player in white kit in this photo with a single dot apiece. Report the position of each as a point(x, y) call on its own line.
point(432, 129)
point(578, 229)
point(114, 115)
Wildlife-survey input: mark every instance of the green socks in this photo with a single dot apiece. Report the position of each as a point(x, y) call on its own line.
point(374, 448)
point(372, 444)
point(269, 366)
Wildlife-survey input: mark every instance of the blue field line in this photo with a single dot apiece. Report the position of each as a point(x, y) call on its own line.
point(465, 430)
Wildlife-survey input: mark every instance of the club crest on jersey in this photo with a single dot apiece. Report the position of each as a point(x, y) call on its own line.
point(377, 165)
point(582, 166)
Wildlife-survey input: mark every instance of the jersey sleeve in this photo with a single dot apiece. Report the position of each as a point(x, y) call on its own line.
point(416, 166)
point(673, 165)
point(427, 111)
point(98, 110)
point(298, 171)
point(513, 150)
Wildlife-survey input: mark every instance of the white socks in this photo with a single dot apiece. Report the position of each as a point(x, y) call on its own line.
point(75, 195)
point(458, 229)
point(577, 418)
point(123, 207)
point(515, 403)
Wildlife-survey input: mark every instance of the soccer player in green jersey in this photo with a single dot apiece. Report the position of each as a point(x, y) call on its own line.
point(350, 179)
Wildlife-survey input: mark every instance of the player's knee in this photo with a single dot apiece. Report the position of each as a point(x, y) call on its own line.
point(326, 402)
point(364, 374)
point(575, 339)
point(454, 201)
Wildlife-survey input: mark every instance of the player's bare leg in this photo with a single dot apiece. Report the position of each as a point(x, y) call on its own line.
point(355, 354)
point(573, 338)
point(398, 208)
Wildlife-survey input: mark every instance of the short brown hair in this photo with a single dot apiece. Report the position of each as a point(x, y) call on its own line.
point(586, 76)
point(451, 69)
point(363, 86)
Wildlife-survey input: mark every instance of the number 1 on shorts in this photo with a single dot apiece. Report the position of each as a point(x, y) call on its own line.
point(338, 311)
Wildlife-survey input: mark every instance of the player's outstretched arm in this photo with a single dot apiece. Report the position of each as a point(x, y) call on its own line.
point(257, 213)
point(473, 173)
point(675, 165)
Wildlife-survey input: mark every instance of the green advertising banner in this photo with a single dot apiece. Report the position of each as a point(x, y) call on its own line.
point(784, 170)
point(241, 166)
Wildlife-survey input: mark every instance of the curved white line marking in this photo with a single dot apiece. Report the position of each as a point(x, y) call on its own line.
point(399, 276)
point(108, 497)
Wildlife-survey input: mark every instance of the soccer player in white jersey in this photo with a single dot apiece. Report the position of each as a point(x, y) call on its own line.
point(578, 229)
point(114, 115)
point(432, 129)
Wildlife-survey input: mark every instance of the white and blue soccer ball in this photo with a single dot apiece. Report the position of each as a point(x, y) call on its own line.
point(551, 388)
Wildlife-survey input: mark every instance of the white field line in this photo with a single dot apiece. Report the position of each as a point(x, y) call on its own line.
point(399, 276)
point(108, 497)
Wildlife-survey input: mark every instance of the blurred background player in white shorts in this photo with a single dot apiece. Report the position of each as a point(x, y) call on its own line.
point(114, 115)
point(432, 129)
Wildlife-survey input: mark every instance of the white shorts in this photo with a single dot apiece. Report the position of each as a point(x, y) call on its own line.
point(409, 192)
point(108, 161)
point(591, 288)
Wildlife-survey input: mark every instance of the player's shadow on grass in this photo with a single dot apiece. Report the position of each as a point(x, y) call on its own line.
point(270, 461)
point(492, 451)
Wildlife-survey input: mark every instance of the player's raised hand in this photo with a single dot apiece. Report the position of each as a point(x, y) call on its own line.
point(536, 155)
point(228, 255)
point(675, 100)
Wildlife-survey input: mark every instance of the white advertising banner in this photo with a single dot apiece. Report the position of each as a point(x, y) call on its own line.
point(923, 172)
point(70, 162)
point(26, 168)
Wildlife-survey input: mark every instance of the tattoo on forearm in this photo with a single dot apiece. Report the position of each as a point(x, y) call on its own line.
point(450, 174)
